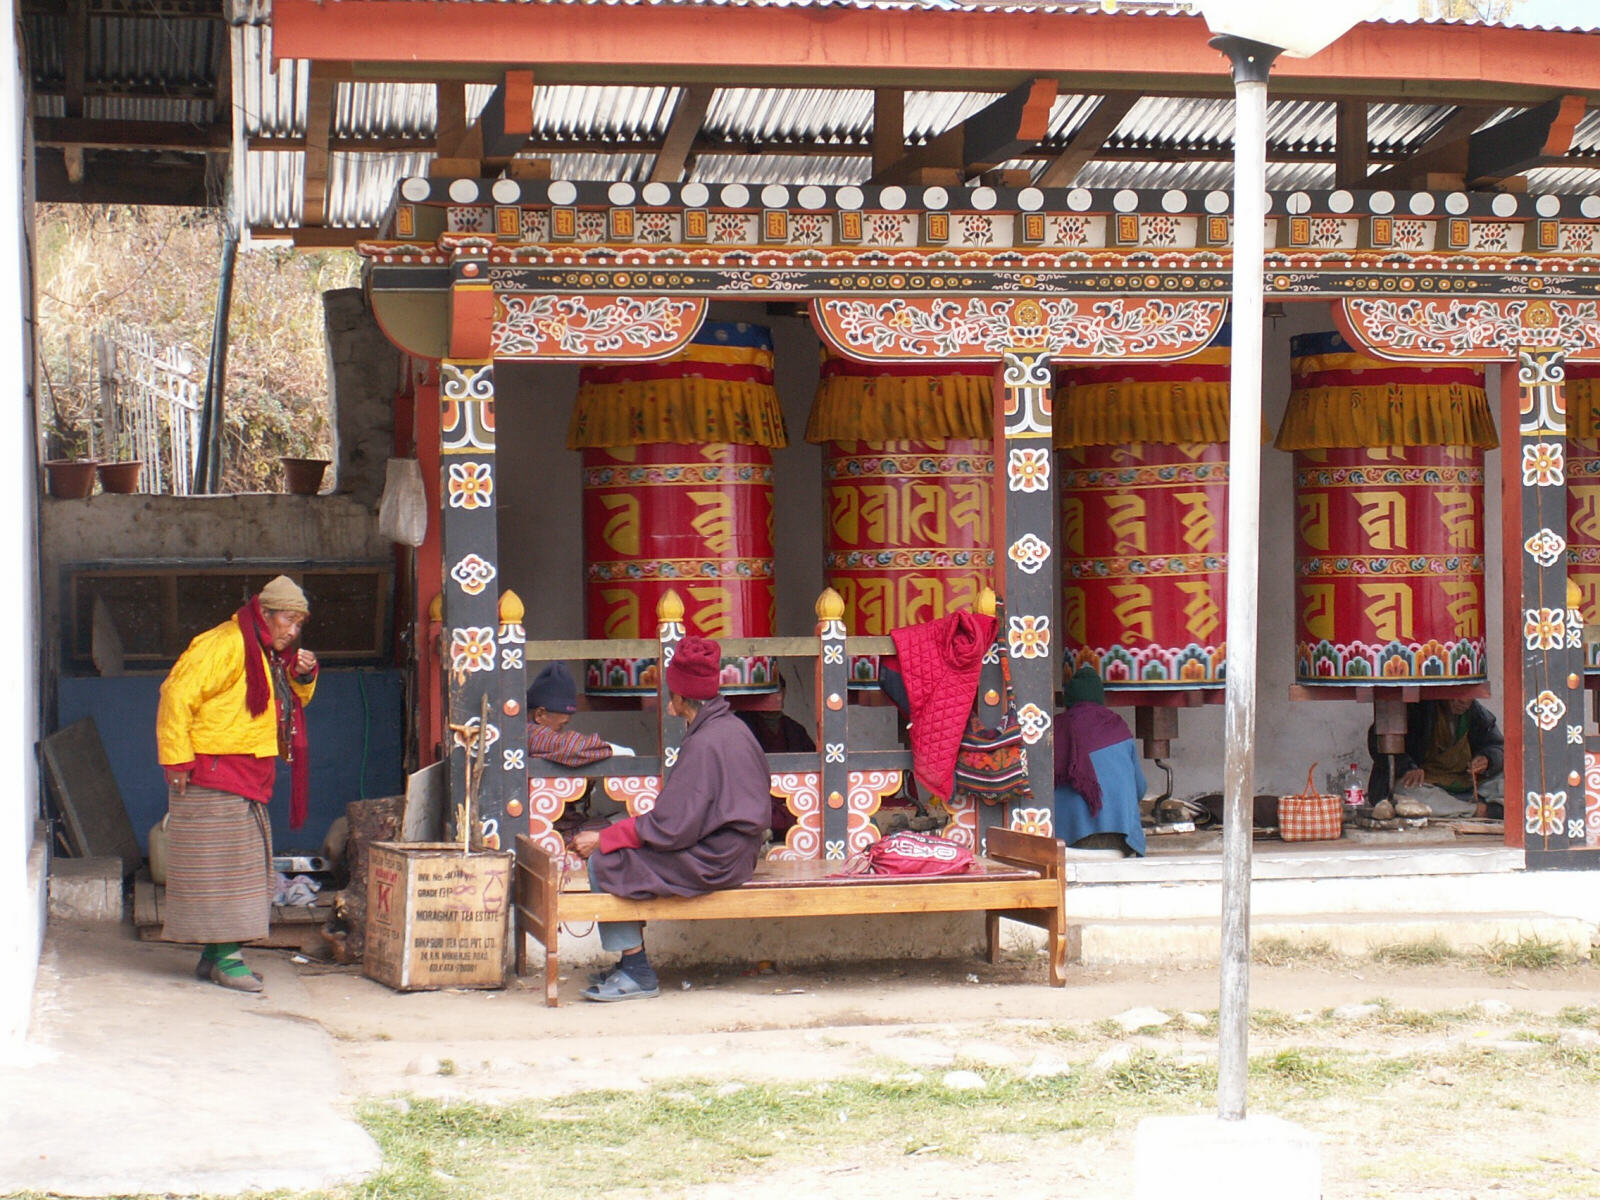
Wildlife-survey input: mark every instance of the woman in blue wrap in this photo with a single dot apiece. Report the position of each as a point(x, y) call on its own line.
point(1099, 781)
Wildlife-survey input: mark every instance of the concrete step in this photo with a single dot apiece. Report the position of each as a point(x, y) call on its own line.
point(1198, 941)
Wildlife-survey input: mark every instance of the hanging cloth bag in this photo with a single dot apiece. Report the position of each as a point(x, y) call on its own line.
point(991, 764)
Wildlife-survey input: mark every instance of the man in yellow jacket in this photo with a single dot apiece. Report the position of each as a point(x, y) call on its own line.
point(230, 708)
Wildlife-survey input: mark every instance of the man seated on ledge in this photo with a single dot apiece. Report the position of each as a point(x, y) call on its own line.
point(1452, 762)
point(552, 699)
point(703, 833)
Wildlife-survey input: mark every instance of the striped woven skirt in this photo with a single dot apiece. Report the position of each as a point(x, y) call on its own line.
point(219, 867)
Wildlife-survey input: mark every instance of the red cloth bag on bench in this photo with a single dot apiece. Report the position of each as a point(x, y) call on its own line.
point(911, 853)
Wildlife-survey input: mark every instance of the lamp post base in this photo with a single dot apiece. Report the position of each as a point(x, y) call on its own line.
point(1207, 1158)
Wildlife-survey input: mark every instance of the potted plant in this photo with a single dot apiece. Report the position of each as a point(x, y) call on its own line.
point(120, 473)
point(69, 467)
point(302, 476)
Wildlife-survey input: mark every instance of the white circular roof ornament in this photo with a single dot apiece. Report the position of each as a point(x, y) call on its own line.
point(1079, 199)
point(1030, 199)
point(1217, 202)
point(775, 195)
point(656, 194)
point(1457, 203)
point(1504, 205)
point(1421, 203)
point(464, 191)
point(892, 198)
point(1125, 201)
point(1382, 203)
point(562, 192)
point(849, 198)
point(736, 195)
point(1341, 201)
point(506, 191)
point(415, 189)
point(694, 195)
point(620, 193)
point(1548, 206)
point(984, 198)
point(811, 196)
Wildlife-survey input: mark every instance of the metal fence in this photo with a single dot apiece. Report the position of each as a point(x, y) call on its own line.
point(149, 399)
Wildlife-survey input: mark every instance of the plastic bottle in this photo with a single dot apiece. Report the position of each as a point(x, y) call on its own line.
point(1355, 787)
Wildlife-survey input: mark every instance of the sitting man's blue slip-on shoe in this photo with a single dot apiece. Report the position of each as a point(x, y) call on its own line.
point(619, 985)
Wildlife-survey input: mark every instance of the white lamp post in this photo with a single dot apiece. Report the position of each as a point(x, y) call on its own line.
point(1252, 33)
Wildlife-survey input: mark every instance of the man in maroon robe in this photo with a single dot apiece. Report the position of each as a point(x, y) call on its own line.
point(703, 833)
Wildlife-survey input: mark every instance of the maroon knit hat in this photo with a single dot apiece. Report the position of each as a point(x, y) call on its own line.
point(695, 669)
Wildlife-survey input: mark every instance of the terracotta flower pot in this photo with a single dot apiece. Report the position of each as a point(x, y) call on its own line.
point(121, 478)
point(70, 479)
point(303, 476)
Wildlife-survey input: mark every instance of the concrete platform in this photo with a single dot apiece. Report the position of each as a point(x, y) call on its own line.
point(1105, 943)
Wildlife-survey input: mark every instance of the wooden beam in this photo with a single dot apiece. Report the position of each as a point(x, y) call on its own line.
point(136, 181)
point(507, 119)
point(893, 45)
point(1350, 145)
point(682, 131)
point(1444, 152)
point(319, 127)
point(450, 127)
point(1538, 138)
point(1084, 146)
point(91, 134)
point(888, 128)
point(1008, 128)
point(76, 55)
point(323, 237)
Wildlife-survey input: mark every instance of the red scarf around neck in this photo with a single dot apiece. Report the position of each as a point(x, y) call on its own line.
point(258, 695)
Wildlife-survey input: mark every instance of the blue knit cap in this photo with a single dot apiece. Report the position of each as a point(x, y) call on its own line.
point(553, 690)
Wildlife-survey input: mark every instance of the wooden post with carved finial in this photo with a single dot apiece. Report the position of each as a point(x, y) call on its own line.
point(833, 709)
point(669, 631)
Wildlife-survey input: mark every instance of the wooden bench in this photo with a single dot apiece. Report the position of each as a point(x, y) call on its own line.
point(1023, 878)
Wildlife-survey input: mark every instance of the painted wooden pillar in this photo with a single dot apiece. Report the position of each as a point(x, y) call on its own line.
point(1023, 513)
point(1549, 802)
point(833, 683)
point(476, 673)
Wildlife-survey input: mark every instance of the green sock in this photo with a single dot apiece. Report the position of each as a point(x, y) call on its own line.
point(227, 960)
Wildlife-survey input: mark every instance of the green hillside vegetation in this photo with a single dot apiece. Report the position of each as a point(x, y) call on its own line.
point(156, 269)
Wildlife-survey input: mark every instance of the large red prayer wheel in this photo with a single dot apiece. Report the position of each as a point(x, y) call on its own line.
point(1583, 497)
point(1388, 471)
point(908, 470)
point(677, 495)
point(1143, 483)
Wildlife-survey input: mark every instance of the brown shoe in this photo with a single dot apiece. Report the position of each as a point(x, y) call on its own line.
point(239, 983)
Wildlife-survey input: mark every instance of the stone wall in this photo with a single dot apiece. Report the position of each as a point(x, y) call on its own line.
point(363, 377)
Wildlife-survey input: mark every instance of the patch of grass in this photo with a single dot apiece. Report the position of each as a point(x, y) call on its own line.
point(447, 1066)
point(1579, 1014)
point(1270, 1020)
point(1286, 952)
point(1425, 953)
point(1526, 954)
point(1529, 1035)
point(1297, 1066)
point(1414, 1020)
point(1151, 1074)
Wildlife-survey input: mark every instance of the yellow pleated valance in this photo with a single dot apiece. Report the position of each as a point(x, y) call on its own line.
point(1344, 399)
point(1395, 414)
point(1117, 414)
point(719, 389)
point(883, 402)
point(1583, 406)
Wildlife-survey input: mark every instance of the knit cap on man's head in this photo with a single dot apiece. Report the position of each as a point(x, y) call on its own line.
point(284, 595)
point(554, 690)
point(696, 668)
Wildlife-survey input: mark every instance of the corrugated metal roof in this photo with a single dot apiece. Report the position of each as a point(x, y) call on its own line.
point(165, 70)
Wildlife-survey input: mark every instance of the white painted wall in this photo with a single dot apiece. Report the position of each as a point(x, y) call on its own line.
point(23, 848)
point(541, 551)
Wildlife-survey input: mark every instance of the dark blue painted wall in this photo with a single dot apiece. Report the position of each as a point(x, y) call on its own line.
point(354, 722)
